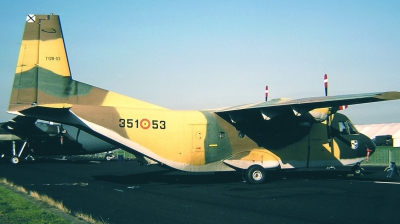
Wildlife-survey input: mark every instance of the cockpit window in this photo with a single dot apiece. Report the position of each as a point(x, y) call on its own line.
point(347, 128)
point(352, 129)
point(342, 128)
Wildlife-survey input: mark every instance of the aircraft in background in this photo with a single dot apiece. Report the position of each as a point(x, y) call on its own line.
point(27, 138)
point(273, 135)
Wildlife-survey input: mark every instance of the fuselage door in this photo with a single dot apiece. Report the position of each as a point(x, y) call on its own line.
point(197, 156)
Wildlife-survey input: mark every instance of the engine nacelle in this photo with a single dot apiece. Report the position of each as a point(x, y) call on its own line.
point(320, 114)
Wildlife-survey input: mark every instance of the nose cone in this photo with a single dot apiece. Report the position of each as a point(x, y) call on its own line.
point(367, 146)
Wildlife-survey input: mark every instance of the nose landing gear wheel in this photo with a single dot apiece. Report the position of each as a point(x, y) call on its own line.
point(356, 170)
point(254, 174)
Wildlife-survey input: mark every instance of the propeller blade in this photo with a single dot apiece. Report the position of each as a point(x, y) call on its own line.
point(326, 92)
point(326, 84)
point(328, 119)
point(266, 93)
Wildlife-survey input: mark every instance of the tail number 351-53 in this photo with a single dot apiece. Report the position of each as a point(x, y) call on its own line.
point(143, 123)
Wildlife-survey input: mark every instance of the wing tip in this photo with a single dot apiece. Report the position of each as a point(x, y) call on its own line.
point(391, 95)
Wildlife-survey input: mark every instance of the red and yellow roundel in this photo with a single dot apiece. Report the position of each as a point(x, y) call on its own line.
point(145, 123)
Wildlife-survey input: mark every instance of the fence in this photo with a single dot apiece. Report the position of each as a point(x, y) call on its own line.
point(118, 153)
point(383, 155)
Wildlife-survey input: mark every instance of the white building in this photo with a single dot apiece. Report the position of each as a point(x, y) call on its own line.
point(372, 130)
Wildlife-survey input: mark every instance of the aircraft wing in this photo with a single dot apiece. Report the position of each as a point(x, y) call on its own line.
point(299, 106)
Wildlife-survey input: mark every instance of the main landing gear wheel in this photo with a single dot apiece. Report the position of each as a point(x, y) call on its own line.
point(254, 174)
point(356, 170)
point(14, 160)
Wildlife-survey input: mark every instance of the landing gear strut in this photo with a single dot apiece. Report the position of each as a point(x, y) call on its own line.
point(356, 170)
point(15, 157)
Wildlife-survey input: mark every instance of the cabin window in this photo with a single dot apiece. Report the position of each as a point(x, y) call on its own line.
point(221, 135)
point(347, 128)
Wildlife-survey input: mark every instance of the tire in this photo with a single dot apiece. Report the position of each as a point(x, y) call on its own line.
point(255, 174)
point(356, 170)
point(14, 160)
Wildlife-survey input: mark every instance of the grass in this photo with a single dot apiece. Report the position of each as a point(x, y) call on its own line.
point(15, 208)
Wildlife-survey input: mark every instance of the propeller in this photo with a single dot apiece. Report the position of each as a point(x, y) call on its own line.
point(266, 93)
point(326, 84)
point(331, 111)
point(328, 119)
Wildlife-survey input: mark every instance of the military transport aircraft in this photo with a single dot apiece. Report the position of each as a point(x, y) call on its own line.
point(273, 135)
point(24, 137)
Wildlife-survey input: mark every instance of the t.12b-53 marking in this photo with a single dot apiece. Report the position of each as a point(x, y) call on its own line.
point(253, 138)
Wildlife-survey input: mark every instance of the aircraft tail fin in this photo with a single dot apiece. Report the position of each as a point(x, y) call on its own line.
point(43, 76)
point(42, 61)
